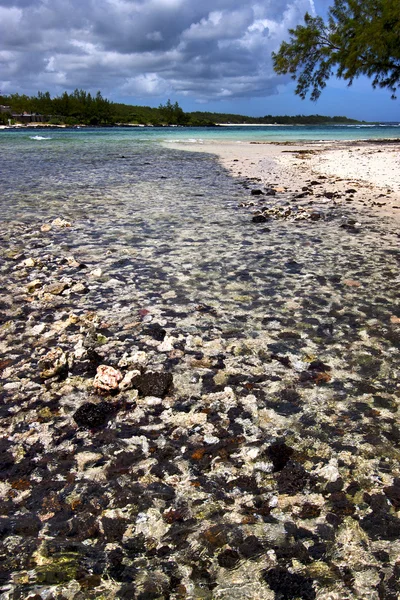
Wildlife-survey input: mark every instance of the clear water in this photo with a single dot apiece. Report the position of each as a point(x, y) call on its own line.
point(126, 191)
point(246, 306)
point(163, 220)
point(194, 134)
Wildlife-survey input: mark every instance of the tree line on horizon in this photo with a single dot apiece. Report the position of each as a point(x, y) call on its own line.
point(83, 108)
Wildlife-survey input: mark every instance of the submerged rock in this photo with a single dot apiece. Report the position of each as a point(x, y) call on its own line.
point(153, 384)
point(289, 586)
point(280, 454)
point(155, 331)
point(61, 223)
point(292, 479)
point(107, 378)
point(259, 219)
point(91, 415)
point(55, 289)
point(53, 363)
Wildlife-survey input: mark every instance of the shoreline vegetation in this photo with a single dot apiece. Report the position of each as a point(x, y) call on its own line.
point(82, 109)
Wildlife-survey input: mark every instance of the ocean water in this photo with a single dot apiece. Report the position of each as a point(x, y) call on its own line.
point(89, 158)
point(161, 220)
point(271, 133)
point(125, 189)
point(281, 332)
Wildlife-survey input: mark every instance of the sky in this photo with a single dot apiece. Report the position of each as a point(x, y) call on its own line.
point(210, 55)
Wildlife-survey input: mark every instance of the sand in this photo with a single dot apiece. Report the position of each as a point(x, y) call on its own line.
point(372, 167)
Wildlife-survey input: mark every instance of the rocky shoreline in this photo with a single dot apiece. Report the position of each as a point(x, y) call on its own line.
point(167, 452)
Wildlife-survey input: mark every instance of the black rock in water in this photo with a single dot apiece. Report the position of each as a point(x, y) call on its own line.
point(381, 525)
point(259, 219)
point(318, 365)
point(91, 415)
point(257, 193)
point(155, 331)
point(153, 384)
point(292, 479)
point(228, 559)
point(289, 586)
point(280, 454)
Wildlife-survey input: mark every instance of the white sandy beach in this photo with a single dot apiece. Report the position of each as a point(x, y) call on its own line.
point(372, 167)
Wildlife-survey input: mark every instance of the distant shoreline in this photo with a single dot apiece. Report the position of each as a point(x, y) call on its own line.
point(262, 124)
point(149, 126)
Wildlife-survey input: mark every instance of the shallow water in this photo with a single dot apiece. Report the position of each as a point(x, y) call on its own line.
point(284, 332)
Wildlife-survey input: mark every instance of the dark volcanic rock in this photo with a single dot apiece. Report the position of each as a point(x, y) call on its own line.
point(341, 505)
point(289, 586)
point(280, 455)
point(381, 526)
point(153, 384)
point(393, 493)
point(251, 547)
point(114, 528)
point(93, 415)
point(155, 331)
point(292, 479)
point(259, 219)
point(318, 365)
point(228, 559)
point(257, 192)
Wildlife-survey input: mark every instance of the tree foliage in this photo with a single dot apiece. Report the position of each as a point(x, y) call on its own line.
point(360, 37)
point(82, 108)
point(172, 113)
point(208, 118)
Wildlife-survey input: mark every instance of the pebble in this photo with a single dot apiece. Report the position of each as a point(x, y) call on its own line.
point(28, 262)
point(253, 459)
point(79, 288)
point(107, 378)
point(61, 223)
point(53, 363)
point(96, 273)
point(153, 384)
point(34, 285)
point(55, 289)
point(127, 380)
point(13, 385)
point(38, 329)
point(91, 415)
point(167, 345)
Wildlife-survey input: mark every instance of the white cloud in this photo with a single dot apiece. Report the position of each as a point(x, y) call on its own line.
point(208, 50)
point(149, 84)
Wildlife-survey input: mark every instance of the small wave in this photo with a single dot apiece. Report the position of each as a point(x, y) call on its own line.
point(185, 141)
point(39, 137)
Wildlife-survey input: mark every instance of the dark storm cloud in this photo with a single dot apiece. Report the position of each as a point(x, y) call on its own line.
point(209, 49)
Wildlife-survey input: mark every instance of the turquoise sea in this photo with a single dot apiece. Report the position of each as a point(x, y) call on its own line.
point(45, 160)
point(273, 133)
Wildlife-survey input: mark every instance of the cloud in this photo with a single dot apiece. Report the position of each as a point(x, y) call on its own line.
point(145, 48)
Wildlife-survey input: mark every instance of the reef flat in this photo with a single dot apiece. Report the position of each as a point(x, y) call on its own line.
point(200, 392)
